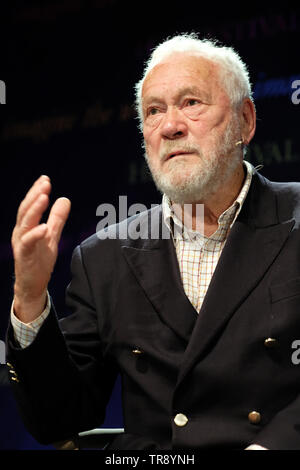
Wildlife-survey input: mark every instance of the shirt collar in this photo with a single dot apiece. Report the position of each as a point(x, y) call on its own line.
point(225, 221)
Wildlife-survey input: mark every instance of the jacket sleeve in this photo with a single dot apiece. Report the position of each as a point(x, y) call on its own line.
point(62, 381)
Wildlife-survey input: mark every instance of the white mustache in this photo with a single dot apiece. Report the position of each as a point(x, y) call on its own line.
point(187, 148)
point(170, 147)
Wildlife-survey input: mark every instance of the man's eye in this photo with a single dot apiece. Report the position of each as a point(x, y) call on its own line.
point(192, 102)
point(152, 111)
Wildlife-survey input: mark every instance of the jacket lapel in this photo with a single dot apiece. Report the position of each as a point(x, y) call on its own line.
point(155, 266)
point(254, 241)
point(252, 245)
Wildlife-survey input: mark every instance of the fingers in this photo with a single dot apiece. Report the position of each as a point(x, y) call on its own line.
point(41, 186)
point(31, 211)
point(58, 216)
point(30, 238)
point(34, 214)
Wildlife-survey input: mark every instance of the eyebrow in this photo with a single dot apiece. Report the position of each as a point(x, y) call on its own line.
point(189, 90)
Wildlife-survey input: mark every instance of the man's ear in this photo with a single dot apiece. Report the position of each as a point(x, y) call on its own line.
point(248, 120)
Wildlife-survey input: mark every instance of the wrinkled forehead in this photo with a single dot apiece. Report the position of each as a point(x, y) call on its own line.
point(185, 70)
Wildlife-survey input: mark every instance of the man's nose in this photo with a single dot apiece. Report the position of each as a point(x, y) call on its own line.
point(174, 125)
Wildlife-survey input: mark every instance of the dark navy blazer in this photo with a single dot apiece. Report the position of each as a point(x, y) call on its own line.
point(214, 367)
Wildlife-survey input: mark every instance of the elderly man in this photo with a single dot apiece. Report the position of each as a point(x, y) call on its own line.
point(199, 324)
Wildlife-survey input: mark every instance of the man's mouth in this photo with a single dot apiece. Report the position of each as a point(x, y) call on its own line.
point(176, 154)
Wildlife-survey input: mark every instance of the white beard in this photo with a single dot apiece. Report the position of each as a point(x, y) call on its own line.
point(184, 183)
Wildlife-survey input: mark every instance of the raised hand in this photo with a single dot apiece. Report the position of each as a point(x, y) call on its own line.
point(35, 248)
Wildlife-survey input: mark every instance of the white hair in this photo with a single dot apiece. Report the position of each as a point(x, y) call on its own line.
point(234, 74)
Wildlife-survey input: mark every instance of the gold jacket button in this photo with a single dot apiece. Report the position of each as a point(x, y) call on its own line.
point(254, 417)
point(137, 351)
point(270, 342)
point(180, 420)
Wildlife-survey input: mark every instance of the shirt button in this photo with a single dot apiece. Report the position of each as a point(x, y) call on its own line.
point(180, 420)
point(254, 417)
point(270, 343)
